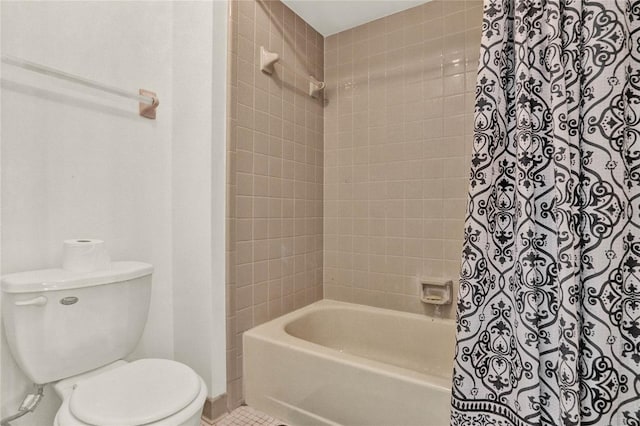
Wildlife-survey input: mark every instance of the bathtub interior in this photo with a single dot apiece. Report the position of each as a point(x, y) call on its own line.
point(424, 345)
point(336, 363)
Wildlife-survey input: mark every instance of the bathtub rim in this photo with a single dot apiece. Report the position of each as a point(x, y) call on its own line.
point(274, 332)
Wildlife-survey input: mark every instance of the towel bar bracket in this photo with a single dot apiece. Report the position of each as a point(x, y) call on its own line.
point(146, 110)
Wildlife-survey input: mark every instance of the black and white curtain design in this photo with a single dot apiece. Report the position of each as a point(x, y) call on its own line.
point(549, 305)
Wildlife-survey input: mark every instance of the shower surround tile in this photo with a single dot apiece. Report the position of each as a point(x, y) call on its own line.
point(398, 129)
point(274, 174)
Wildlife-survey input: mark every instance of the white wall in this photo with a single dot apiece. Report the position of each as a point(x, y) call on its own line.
point(79, 163)
point(198, 188)
point(218, 360)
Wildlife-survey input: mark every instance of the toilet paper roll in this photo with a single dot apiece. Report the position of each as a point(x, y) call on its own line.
point(84, 255)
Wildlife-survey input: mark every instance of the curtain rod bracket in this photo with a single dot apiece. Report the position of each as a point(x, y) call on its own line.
point(315, 87)
point(267, 59)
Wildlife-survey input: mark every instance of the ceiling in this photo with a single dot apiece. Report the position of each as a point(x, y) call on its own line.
point(332, 16)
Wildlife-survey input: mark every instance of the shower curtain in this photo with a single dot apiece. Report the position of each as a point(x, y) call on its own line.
point(548, 315)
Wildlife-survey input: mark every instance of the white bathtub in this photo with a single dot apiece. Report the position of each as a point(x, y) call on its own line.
point(335, 363)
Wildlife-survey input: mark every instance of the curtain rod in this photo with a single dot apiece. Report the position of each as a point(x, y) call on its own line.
point(148, 100)
point(269, 59)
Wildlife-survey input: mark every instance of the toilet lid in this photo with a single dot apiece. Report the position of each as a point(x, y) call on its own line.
point(137, 393)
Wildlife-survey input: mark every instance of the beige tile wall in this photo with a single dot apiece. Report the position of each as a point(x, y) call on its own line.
point(398, 130)
point(275, 174)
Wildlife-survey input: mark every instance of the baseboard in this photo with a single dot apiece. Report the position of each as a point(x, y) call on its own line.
point(214, 408)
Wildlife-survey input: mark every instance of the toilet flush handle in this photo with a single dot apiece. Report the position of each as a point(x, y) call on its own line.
point(36, 301)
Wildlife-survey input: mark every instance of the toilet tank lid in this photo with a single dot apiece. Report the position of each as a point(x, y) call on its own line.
point(59, 279)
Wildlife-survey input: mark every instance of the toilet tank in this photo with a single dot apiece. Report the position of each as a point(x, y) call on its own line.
point(60, 323)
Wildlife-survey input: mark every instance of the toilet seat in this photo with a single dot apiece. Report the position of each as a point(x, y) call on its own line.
point(154, 392)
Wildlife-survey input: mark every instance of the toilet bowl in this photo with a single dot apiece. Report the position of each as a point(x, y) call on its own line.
point(150, 392)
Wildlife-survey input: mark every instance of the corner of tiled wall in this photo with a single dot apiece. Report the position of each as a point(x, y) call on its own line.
point(398, 132)
point(234, 389)
point(274, 181)
point(358, 196)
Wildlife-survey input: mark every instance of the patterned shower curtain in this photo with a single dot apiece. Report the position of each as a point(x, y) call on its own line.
point(549, 304)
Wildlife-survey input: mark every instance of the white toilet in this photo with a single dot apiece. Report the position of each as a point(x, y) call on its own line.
point(74, 329)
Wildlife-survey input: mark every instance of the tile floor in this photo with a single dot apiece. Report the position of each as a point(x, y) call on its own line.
point(247, 416)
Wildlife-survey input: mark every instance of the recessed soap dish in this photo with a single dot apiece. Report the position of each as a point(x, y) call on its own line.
point(436, 291)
